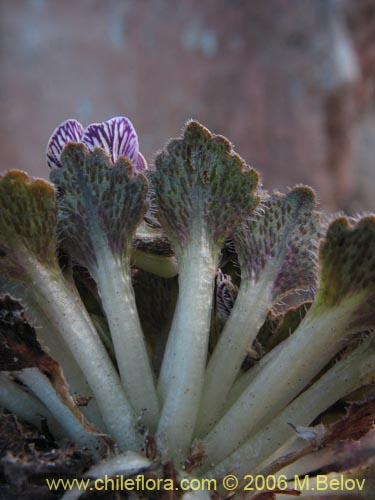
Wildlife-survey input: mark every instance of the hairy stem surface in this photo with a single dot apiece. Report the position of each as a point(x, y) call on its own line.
point(67, 314)
point(182, 372)
point(342, 379)
point(304, 354)
point(26, 406)
point(118, 300)
point(43, 389)
point(248, 315)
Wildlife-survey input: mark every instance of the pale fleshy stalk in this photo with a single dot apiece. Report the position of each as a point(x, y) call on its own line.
point(284, 234)
point(315, 342)
point(26, 406)
point(343, 378)
point(74, 429)
point(51, 339)
point(67, 314)
point(197, 178)
point(244, 380)
point(343, 306)
point(99, 236)
point(118, 301)
point(246, 318)
point(182, 373)
point(101, 326)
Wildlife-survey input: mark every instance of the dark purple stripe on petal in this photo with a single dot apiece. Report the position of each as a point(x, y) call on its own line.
point(68, 131)
point(116, 136)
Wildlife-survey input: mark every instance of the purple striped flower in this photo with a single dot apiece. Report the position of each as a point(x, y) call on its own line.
point(116, 136)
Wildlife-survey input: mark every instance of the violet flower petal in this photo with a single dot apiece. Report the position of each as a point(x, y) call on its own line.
point(68, 131)
point(116, 136)
point(141, 163)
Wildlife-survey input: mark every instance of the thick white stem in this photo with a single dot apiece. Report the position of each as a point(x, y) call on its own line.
point(43, 389)
point(118, 301)
point(184, 362)
point(343, 378)
point(304, 354)
point(26, 406)
point(248, 315)
point(67, 314)
point(54, 344)
point(244, 380)
point(101, 326)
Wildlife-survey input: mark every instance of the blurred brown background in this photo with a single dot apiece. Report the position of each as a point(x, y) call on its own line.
point(290, 82)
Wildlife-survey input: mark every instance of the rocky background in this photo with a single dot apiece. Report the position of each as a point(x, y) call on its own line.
point(290, 83)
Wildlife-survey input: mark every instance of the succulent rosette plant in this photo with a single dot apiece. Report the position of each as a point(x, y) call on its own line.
point(178, 323)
